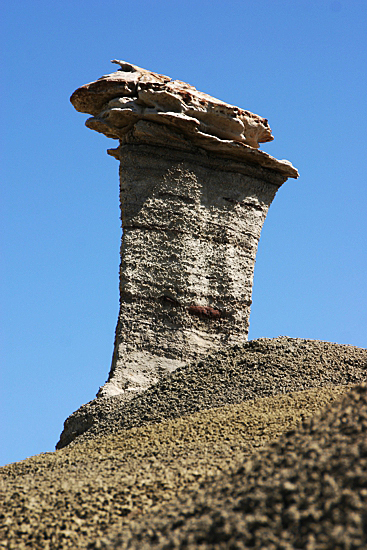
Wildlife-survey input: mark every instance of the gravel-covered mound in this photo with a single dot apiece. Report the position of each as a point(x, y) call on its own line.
point(84, 493)
point(175, 467)
point(306, 490)
point(259, 368)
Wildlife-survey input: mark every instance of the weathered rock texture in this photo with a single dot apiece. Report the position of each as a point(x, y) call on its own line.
point(195, 191)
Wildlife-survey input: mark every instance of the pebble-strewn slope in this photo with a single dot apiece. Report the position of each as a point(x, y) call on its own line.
point(85, 492)
point(184, 479)
point(307, 490)
point(259, 368)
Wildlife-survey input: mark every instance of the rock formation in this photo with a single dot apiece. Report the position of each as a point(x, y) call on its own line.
point(194, 192)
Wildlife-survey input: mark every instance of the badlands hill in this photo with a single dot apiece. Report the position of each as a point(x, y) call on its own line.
point(259, 446)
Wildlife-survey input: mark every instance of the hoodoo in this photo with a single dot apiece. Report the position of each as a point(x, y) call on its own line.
point(194, 192)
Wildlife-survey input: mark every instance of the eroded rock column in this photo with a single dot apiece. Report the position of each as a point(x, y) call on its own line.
point(194, 191)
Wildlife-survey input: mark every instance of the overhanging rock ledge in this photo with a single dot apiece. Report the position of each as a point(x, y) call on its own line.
point(118, 101)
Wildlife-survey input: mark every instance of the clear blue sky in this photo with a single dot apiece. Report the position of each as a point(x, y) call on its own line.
point(301, 64)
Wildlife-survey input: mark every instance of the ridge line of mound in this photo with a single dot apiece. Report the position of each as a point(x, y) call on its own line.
point(259, 368)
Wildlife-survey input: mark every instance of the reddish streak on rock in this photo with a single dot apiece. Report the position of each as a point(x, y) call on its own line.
point(205, 311)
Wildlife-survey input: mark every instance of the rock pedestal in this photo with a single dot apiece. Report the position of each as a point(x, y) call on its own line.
point(194, 192)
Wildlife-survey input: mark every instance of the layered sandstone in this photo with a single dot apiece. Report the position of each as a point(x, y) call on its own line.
point(121, 100)
point(194, 191)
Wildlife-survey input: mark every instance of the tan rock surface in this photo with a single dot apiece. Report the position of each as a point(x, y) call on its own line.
point(194, 194)
point(121, 100)
point(133, 93)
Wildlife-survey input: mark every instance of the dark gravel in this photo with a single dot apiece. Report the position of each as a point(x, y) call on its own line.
point(306, 490)
point(259, 368)
point(217, 477)
point(88, 492)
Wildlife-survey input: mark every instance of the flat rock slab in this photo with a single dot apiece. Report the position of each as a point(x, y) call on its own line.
point(125, 102)
point(133, 93)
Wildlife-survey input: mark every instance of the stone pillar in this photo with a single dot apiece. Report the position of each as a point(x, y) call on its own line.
point(194, 193)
